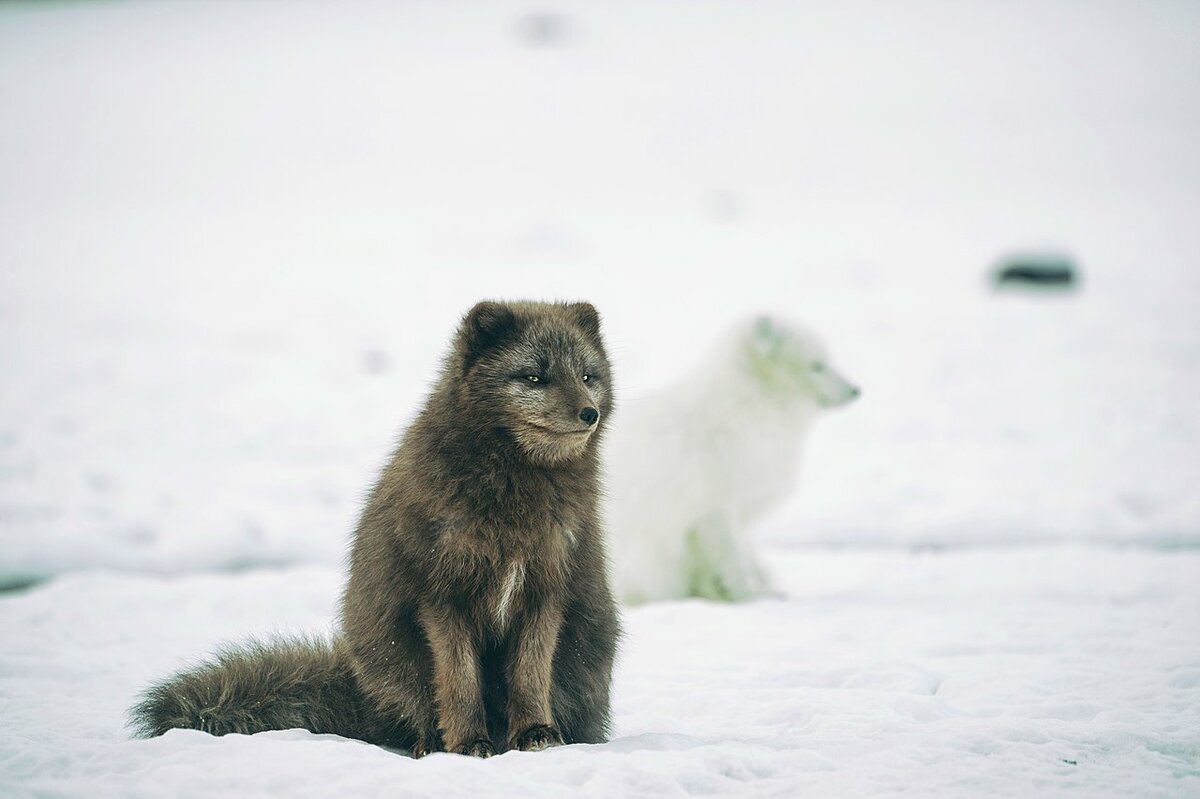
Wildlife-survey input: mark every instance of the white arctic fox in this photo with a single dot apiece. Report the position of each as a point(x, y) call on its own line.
point(691, 467)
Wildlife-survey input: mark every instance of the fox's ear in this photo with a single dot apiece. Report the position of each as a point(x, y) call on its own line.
point(487, 325)
point(587, 316)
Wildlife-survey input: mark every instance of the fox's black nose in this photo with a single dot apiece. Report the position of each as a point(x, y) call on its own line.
point(589, 415)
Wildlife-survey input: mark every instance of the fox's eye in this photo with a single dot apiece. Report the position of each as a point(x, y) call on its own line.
point(533, 378)
point(586, 378)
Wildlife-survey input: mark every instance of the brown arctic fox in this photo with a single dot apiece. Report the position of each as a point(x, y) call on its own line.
point(478, 615)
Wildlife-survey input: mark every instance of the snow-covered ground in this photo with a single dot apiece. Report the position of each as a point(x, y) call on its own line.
point(1033, 672)
point(235, 237)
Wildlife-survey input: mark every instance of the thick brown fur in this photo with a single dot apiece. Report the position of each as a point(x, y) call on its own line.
point(477, 616)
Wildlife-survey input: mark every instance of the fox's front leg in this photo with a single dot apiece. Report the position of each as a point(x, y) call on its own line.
point(531, 658)
point(461, 715)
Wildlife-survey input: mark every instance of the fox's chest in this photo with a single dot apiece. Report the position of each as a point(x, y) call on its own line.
point(507, 595)
point(501, 573)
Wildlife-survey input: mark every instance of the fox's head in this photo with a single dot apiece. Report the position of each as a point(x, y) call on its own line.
point(539, 371)
point(792, 362)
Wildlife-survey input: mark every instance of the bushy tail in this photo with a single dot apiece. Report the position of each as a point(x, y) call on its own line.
point(272, 685)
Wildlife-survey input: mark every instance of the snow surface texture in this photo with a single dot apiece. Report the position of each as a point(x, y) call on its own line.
point(1034, 672)
point(234, 239)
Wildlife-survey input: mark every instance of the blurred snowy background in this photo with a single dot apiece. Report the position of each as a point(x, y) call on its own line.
point(235, 237)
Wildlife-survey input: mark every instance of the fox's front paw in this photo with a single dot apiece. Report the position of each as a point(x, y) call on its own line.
point(538, 737)
point(427, 745)
point(479, 748)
